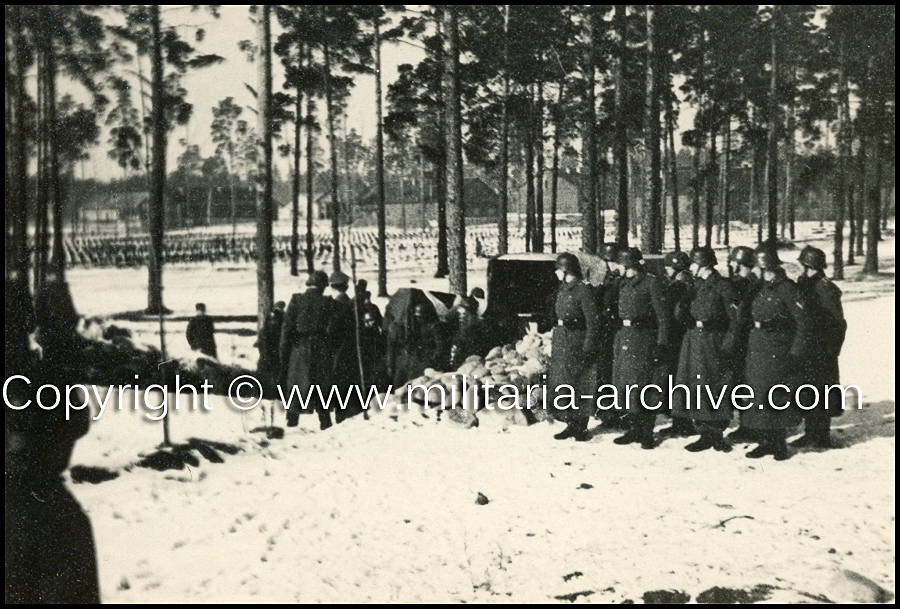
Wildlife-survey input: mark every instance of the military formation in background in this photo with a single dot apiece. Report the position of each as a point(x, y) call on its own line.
point(708, 332)
point(410, 248)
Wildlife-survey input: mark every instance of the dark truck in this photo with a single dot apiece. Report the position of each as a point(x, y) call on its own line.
point(521, 290)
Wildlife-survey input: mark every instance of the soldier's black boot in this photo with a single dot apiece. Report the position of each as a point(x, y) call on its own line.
point(764, 448)
point(779, 446)
point(720, 443)
point(631, 436)
point(293, 418)
point(569, 432)
point(324, 419)
point(705, 442)
point(581, 432)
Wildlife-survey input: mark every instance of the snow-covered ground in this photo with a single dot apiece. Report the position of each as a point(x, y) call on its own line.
point(385, 509)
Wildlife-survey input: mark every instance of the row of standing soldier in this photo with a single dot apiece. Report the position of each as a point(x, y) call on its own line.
point(705, 330)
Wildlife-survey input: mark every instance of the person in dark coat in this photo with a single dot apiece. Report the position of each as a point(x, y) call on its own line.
point(20, 325)
point(827, 329)
point(608, 309)
point(424, 346)
point(50, 551)
point(640, 343)
point(363, 299)
point(741, 262)
point(269, 344)
point(575, 344)
point(469, 334)
point(57, 323)
point(706, 352)
point(345, 361)
point(373, 348)
point(678, 285)
point(306, 350)
point(774, 356)
point(201, 334)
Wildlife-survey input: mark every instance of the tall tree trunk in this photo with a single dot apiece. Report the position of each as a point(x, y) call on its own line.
point(636, 188)
point(554, 172)
point(861, 198)
point(726, 186)
point(502, 220)
point(620, 147)
point(58, 252)
point(538, 241)
point(759, 163)
point(872, 192)
point(712, 179)
point(673, 169)
point(529, 177)
point(310, 174)
point(19, 160)
point(265, 282)
point(295, 186)
point(443, 267)
point(41, 204)
point(653, 227)
point(156, 202)
point(850, 186)
point(588, 144)
point(455, 196)
point(422, 199)
point(402, 176)
point(332, 145)
point(695, 200)
point(790, 169)
point(843, 145)
point(872, 189)
point(379, 168)
point(772, 138)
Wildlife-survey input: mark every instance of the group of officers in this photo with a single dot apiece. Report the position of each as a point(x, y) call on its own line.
point(708, 331)
point(330, 342)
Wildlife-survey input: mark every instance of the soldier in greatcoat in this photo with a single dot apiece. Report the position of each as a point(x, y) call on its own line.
point(306, 350)
point(827, 329)
point(678, 285)
point(342, 333)
point(573, 368)
point(50, 552)
point(706, 352)
point(741, 262)
point(775, 353)
point(640, 345)
point(269, 343)
point(608, 309)
point(201, 332)
point(424, 346)
point(470, 336)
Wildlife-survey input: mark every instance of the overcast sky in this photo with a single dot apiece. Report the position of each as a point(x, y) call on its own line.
point(206, 87)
